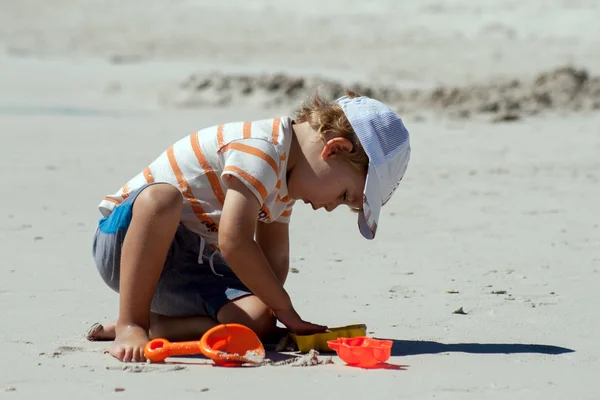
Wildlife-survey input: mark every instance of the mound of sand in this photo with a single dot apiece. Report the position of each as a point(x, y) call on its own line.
point(566, 89)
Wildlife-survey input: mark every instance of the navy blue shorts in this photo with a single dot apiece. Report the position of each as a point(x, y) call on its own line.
point(195, 281)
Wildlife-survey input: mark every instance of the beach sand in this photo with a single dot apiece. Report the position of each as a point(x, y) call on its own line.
point(498, 212)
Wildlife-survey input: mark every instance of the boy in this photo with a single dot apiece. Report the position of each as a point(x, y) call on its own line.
point(200, 237)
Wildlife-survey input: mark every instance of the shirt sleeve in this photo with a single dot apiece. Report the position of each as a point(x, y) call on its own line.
point(255, 162)
point(286, 216)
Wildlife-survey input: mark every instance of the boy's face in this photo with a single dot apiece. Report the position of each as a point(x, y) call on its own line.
point(326, 180)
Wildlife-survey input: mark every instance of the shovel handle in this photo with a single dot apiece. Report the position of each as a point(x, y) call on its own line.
point(158, 350)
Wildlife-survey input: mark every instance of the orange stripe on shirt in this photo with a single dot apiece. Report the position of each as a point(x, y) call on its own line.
point(187, 192)
point(220, 140)
point(208, 170)
point(286, 213)
point(183, 184)
point(255, 152)
point(125, 191)
point(258, 185)
point(148, 175)
point(112, 200)
point(284, 199)
point(275, 131)
point(247, 129)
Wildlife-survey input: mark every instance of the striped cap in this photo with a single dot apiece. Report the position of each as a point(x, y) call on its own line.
point(386, 142)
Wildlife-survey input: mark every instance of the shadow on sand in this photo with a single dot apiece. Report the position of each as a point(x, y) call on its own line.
point(417, 347)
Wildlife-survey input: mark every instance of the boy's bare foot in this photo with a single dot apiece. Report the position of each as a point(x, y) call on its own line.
point(101, 332)
point(171, 328)
point(129, 344)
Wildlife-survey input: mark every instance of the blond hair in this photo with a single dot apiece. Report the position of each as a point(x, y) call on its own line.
point(329, 118)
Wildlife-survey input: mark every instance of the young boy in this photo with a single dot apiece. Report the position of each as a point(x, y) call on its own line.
point(200, 237)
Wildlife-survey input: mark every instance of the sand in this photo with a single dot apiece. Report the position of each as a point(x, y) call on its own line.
point(498, 213)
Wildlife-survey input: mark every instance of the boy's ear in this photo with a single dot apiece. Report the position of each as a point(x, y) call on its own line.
point(335, 146)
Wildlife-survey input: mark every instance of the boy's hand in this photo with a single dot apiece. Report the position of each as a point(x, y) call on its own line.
point(297, 325)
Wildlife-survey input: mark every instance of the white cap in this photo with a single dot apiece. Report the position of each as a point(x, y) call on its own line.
point(385, 140)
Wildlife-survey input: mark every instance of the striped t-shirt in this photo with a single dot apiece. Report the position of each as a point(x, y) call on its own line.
point(254, 152)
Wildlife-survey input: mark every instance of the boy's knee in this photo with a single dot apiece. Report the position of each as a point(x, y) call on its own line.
point(264, 324)
point(160, 199)
point(251, 312)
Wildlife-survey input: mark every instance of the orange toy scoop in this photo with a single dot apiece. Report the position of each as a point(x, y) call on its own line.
point(232, 345)
point(362, 351)
point(226, 345)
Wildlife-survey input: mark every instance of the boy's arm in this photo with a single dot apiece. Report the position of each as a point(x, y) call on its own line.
point(248, 262)
point(274, 240)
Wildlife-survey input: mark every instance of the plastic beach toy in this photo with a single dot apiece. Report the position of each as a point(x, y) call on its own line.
point(232, 344)
point(319, 341)
point(362, 351)
point(227, 345)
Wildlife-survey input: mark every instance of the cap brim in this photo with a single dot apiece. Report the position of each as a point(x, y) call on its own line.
point(368, 218)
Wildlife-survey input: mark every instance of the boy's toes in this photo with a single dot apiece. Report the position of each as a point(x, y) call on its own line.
point(138, 355)
point(128, 355)
point(129, 346)
point(118, 352)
